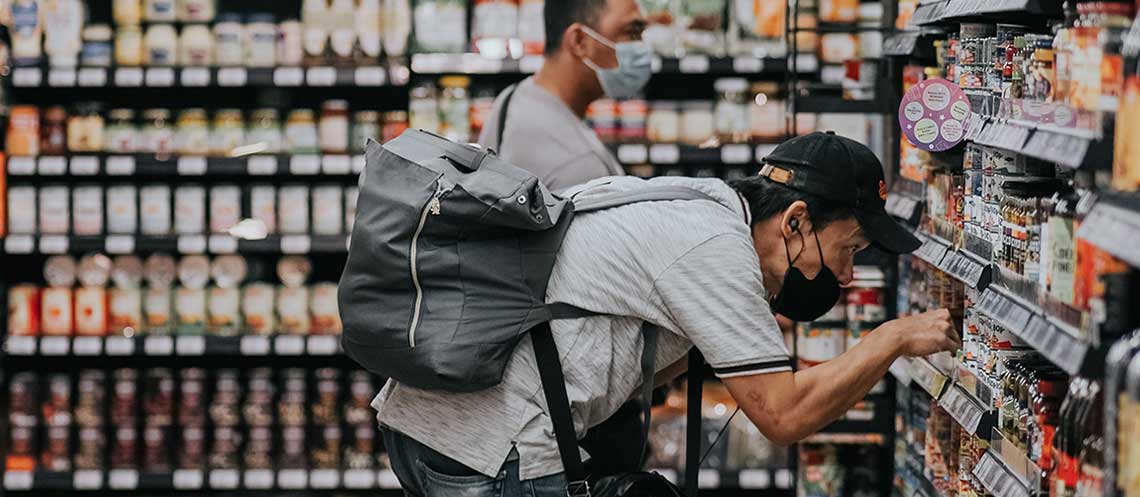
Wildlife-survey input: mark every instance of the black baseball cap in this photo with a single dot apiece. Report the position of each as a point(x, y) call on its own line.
point(841, 170)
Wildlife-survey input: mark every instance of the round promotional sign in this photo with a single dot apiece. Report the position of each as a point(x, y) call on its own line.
point(934, 115)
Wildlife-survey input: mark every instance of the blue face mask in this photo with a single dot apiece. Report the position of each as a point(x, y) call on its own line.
point(635, 66)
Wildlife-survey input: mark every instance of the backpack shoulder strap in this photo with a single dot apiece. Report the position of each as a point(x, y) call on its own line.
point(651, 194)
point(502, 124)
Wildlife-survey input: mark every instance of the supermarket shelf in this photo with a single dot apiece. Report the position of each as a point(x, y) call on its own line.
point(947, 12)
point(998, 478)
point(745, 479)
point(963, 265)
point(928, 13)
point(1066, 146)
point(1056, 340)
point(836, 105)
point(19, 244)
point(172, 345)
point(928, 377)
point(218, 479)
point(470, 63)
point(196, 77)
point(900, 43)
point(904, 206)
point(1113, 224)
point(664, 153)
point(856, 438)
point(839, 27)
point(971, 413)
point(185, 166)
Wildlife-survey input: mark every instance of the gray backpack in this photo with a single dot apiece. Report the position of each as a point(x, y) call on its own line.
point(451, 253)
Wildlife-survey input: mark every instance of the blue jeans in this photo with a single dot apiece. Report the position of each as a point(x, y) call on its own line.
point(424, 472)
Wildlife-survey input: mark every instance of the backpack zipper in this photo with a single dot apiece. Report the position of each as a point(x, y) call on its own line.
point(432, 208)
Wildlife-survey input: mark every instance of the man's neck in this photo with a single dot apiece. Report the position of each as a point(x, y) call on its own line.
point(564, 84)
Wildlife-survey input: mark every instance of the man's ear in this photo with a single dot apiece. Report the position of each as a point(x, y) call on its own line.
point(795, 220)
point(574, 41)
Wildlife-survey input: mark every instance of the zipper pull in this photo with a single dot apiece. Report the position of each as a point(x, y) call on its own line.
point(433, 207)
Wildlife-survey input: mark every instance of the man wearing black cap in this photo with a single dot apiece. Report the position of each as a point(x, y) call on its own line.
point(710, 274)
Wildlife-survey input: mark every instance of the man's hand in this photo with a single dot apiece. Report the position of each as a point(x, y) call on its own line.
point(924, 334)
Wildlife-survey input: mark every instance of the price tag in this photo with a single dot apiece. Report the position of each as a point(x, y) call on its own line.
point(288, 76)
point(123, 479)
point(296, 244)
point(195, 76)
point(292, 479)
point(26, 76)
point(289, 344)
point(735, 154)
point(92, 77)
point(336, 164)
point(997, 479)
point(87, 479)
point(258, 479)
point(748, 65)
point(370, 76)
point(254, 345)
point(232, 76)
point(708, 478)
point(693, 64)
point(128, 77)
point(160, 77)
point(21, 166)
point(358, 164)
point(191, 166)
point(962, 408)
point(191, 244)
point(359, 478)
point(158, 345)
point(190, 345)
point(477, 64)
point(119, 346)
point(321, 76)
point(19, 244)
point(783, 478)
point(18, 480)
point(120, 165)
point(806, 62)
point(120, 244)
point(530, 64)
point(20, 345)
point(223, 244)
point(52, 165)
point(84, 165)
point(55, 346)
point(974, 126)
point(53, 244)
point(949, 260)
point(664, 154)
point(323, 345)
point(324, 478)
point(224, 479)
point(385, 478)
point(632, 154)
point(187, 479)
point(62, 77)
point(304, 164)
point(1061, 347)
point(755, 479)
point(262, 165)
point(87, 346)
point(1114, 229)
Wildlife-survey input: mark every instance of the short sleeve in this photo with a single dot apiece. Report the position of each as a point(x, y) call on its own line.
point(714, 294)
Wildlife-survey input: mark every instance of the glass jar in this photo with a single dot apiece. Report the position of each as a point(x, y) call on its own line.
point(229, 47)
point(197, 46)
point(264, 128)
point(228, 131)
point(193, 134)
point(697, 123)
point(733, 123)
point(261, 41)
point(129, 46)
point(366, 124)
point(159, 11)
point(127, 12)
point(333, 128)
point(161, 45)
point(634, 114)
point(301, 132)
point(602, 115)
point(97, 50)
point(85, 129)
point(53, 132)
point(289, 48)
point(664, 122)
point(455, 105)
point(395, 123)
point(122, 135)
point(766, 113)
point(423, 108)
point(196, 10)
point(157, 133)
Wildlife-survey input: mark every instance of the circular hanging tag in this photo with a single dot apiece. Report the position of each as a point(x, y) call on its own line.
point(934, 115)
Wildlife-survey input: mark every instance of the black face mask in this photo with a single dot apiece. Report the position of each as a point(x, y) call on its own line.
point(802, 299)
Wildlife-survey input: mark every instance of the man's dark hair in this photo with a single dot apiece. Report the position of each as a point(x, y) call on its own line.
point(766, 198)
point(560, 14)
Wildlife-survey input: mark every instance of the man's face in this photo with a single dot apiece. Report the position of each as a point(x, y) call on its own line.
point(622, 20)
point(839, 241)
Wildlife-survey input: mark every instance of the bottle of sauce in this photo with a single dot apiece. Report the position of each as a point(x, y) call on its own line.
point(26, 32)
point(53, 134)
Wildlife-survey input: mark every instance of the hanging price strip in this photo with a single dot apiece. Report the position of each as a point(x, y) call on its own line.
point(1055, 342)
point(931, 251)
point(996, 478)
point(1005, 310)
point(928, 377)
point(1066, 150)
point(962, 408)
point(1114, 229)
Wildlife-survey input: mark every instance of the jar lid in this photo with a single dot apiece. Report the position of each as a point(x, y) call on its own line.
point(159, 270)
point(396, 116)
point(228, 115)
point(127, 271)
point(192, 114)
point(369, 116)
point(264, 114)
point(294, 270)
point(97, 32)
point(301, 114)
point(126, 374)
point(228, 271)
point(163, 29)
point(194, 271)
point(260, 17)
point(156, 114)
point(122, 114)
point(94, 270)
point(233, 17)
point(328, 373)
point(59, 270)
point(455, 81)
point(341, 105)
point(192, 374)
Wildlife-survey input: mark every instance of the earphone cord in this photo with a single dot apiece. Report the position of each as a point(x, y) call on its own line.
point(719, 434)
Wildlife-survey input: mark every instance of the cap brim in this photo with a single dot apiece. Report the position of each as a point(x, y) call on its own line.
point(886, 233)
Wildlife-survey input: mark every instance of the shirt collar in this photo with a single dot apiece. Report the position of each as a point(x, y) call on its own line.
point(746, 208)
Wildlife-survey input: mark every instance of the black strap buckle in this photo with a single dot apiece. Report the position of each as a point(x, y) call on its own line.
point(578, 489)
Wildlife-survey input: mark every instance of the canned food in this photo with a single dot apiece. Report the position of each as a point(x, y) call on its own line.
point(23, 310)
point(866, 305)
point(257, 308)
point(22, 209)
point(189, 210)
point(155, 210)
point(820, 343)
point(324, 310)
point(87, 204)
point(327, 213)
point(225, 208)
point(54, 210)
point(293, 214)
point(263, 206)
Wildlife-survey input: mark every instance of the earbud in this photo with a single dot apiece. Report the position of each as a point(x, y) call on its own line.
point(795, 224)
